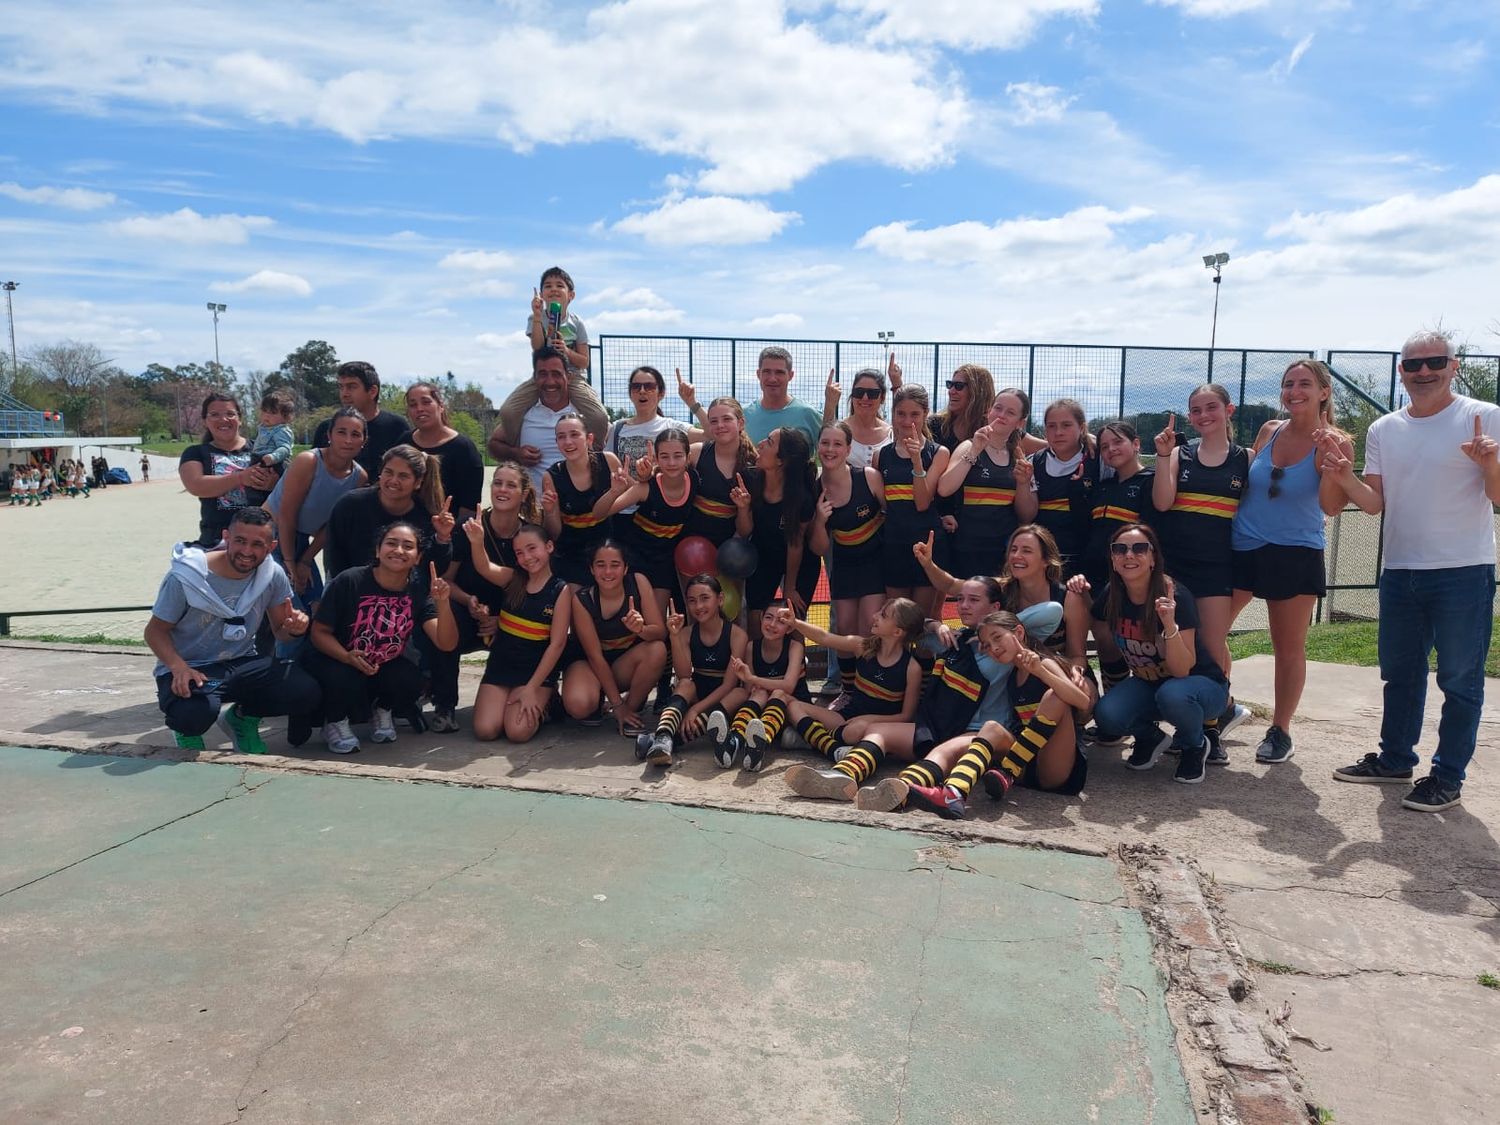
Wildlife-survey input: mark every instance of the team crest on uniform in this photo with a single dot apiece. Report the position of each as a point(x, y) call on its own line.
point(984, 472)
point(547, 611)
point(1236, 484)
point(863, 511)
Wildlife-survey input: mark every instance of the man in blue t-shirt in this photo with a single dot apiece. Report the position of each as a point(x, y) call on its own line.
point(777, 408)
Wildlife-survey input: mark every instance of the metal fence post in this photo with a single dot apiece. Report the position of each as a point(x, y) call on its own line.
point(1244, 367)
point(1031, 372)
point(1124, 352)
point(937, 359)
point(733, 369)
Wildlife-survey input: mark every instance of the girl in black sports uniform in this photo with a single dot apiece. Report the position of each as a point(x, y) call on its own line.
point(1121, 498)
point(618, 648)
point(909, 470)
point(781, 504)
point(532, 630)
point(982, 476)
point(848, 530)
point(726, 454)
point(663, 505)
point(886, 685)
point(702, 653)
point(775, 664)
point(570, 491)
point(1056, 489)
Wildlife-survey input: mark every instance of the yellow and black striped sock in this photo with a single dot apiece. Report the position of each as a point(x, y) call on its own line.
point(1113, 672)
point(1028, 744)
point(670, 719)
point(818, 736)
point(968, 769)
point(743, 716)
point(773, 718)
point(922, 773)
point(861, 761)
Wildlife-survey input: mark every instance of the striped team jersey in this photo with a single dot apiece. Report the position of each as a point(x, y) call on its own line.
point(656, 525)
point(614, 639)
point(1065, 504)
point(713, 510)
point(883, 689)
point(953, 689)
point(523, 633)
point(710, 661)
point(986, 513)
point(1116, 503)
point(854, 527)
point(903, 521)
point(580, 528)
point(1197, 528)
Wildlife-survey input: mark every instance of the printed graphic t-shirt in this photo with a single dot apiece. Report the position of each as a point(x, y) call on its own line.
point(369, 619)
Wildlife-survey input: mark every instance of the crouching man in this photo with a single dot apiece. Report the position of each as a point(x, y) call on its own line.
point(202, 630)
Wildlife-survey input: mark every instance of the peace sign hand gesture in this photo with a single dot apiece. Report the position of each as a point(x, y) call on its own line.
point(1481, 449)
point(739, 494)
point(621, 479)
point(1166, 441)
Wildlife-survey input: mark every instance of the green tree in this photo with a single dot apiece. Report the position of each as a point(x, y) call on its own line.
point(310, 372)
point(466, 424)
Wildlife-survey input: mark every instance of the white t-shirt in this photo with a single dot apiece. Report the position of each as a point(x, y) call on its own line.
point(1436, 513)
point(634, 439)
point(863, 454)
point(539, 428)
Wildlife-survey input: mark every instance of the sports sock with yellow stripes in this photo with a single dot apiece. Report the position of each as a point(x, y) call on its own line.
point(969, 768)
point(818, 736)
point(773, 718)
point(670, 720)
point(1028, 744)
point(861, 761)
point(743, 716)
point(922, 773)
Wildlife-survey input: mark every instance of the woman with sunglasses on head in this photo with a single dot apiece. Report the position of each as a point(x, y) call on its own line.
point(1173, 676)
point(1278, 533)
point(868, 431)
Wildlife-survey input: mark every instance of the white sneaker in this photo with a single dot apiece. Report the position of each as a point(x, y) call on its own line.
point(340, 738)
point(384, 726)
point(717, 725)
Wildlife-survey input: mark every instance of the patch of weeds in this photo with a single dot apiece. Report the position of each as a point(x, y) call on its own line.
point(1276, 968)
point(1489, 980)
point(1323, 1116)
point(84, 639)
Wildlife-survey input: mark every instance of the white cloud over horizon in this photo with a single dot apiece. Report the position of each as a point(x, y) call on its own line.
point(188, 226)
point(715, 220)
point(71, 199)
point(266, 281)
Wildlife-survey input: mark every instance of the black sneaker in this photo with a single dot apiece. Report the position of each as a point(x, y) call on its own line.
point(1369, 771)
point(1232, 716)
point(1191, 764)
point(1275, 747)
point(730, 750)
point(660, 753)
point(643, 745)
point(1148, 750)
point(1217, 755)
point(1432, 795)
point(1102, 740)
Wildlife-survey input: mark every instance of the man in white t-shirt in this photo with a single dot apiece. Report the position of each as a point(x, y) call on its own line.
point(1433, 469)
point(534, 445)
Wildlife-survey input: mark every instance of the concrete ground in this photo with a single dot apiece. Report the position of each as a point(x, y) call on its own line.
point(1367, 925)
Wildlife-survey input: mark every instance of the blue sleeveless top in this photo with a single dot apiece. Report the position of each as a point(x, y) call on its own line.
point(1292, 518)
point(324, 491)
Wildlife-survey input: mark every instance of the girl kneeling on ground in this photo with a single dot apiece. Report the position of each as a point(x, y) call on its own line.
point(702, 656)
point(361, 637)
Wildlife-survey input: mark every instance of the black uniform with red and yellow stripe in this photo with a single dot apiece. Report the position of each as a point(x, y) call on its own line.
point(614, 639)
point(653, 531)
point(580, 528)
point(1195, 531)
point(1025, 698)
point(776, 669)
point(855, 542)
point(952, 692)
point(904, 524)
point(986, 517)
point(522, 635)
point(877, 689)
point(1116, 503)
point(713, 510)
point(710, 661)
point(1065, 506)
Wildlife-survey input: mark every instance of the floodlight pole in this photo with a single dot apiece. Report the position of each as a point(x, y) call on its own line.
point(885, 340)
point(216, 310)
point(1215, 262)
point(10, 312)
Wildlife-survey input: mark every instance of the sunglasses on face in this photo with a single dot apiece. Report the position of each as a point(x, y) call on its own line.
point(1120, 550)
point(1431, 362)
point(865, 392)
point(642, 387)
point(957, 385)
point(1277, 472)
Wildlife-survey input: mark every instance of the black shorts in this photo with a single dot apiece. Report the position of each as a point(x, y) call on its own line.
point(855, 578)
point(1072, 785)
point(900, 567)
point(860, 704)
point(1204, 580)
point(1276, 573)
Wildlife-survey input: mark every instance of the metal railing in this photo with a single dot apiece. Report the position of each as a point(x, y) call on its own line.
point(6, 615)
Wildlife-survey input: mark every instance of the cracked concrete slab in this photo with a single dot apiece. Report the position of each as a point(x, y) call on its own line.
point(194, 942)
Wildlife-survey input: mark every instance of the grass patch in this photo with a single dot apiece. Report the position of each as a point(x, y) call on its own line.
point(1323, 1116)
point(1276, 968)
point(1489, 980)
point(84, 639)
point(1342, 642)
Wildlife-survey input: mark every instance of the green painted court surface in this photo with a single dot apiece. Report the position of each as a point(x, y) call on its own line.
point(201, 943)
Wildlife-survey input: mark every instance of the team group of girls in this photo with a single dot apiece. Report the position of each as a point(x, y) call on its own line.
point(576, 595)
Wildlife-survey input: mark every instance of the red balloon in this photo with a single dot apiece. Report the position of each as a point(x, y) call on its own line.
point(696, 555)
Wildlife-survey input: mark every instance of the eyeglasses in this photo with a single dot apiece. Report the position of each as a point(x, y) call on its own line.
point(1277, 472)
point(865, 392)
point(957, 385)
point(642, 387)
point(231, 417)
point(1431, 362)
point(1120, 550)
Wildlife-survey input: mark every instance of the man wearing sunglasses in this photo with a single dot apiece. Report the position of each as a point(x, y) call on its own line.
point(1432, 468)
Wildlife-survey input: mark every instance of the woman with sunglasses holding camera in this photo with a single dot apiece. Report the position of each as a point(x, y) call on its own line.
point(1277, 533)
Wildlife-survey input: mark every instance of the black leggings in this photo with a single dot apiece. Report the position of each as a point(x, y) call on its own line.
point(443, 666)
point(348, 691)
point(261, 686)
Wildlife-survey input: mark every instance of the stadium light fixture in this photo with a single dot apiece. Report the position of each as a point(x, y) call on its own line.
point(1215, 262)
point(216, 310)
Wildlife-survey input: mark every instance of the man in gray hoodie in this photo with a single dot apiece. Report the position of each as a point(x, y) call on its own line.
point(202, 630)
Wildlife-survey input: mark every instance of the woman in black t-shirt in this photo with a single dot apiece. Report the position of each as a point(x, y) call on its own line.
point(1173, 676)
point(362, 634)
point(408, 487)
point(462, 467)
point(218, 469)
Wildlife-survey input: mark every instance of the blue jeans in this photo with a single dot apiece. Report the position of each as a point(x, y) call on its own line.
point(1419, 609)
point(290, 650)
point(1134, 705)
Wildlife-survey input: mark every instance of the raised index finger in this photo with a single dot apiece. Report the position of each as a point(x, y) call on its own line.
point(1478, 426)
point(432, 570)
point(1171, 422)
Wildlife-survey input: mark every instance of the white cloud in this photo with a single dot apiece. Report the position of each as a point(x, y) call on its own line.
point(1083, 230)
point(72, 199)
point(497, 341)
point(490, 287)
point(636, 309)
point(1032, 102)
point(777, 322)
point(1284, 67)
point(639, 297)
point(188, 226)
point(966, 24)
point(1213, 9)
point(707, 220)
point(266, 281)
point(480, 261)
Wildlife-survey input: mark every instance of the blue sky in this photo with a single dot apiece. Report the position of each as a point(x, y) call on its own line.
point(393, 178)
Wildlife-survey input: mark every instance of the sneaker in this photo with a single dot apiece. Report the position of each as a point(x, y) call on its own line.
point(841, 752)
point(660, 753)
point(643, 744)
point(996, 783)
point(1275, 747)
point(728, 752)
point(1369, 771)
point(827, 785)
point(1098, 738)
point(1191, 764)
point(716, 726)
point(1148, 750)
point(943, 800)
point(188, 741)
point(1432, 795)
point(443, 721)
point(1232, 716)
point(886, 795)
point(594, 719)
point(243, 730)
point(340, 738)
point(755, 756)
point(790, 739)
point(1217, 755)
point(384, 726)
point(755, 734)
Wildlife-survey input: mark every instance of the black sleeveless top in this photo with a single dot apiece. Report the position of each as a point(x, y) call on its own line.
point(905, 523)
point(987, 508)
point(522, 634)
point(710, 662)
point(614, 639)
point(1065, 504)
point(854, 527)
point(776, 669)
point(884, 688)
point(713, 510)
point(1116, 503)
point(580, 528)
point(954, 689)
point(658, 525)
point(1195, 530)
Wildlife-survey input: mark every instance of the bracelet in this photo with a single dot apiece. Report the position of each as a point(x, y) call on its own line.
point(919, 476)
point(1175, 633)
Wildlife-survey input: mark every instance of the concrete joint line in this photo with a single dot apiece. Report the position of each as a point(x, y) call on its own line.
point(1238, 1066)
